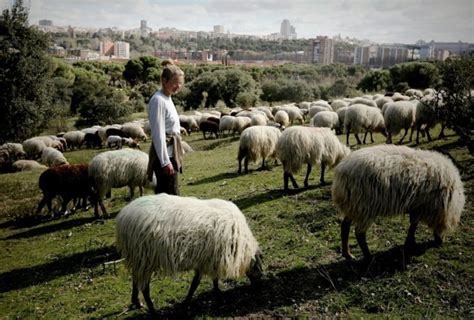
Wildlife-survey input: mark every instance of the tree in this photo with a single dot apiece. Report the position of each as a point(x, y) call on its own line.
point(453, 102)
point(142, 69)
point(25, 71)
point(375, 80)
point(418, 75)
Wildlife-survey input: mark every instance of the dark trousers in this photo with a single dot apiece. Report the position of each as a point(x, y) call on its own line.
point(164, 183)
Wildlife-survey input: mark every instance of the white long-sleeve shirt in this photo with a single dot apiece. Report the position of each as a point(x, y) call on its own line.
point(164, 120)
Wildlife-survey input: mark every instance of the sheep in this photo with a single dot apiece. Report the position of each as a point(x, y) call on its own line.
point(267, 111)
point(27, 165)
point(240, 124)
point(70, 182)
point(282, 118)
point(388, 180)
point(15, 150)
point(367, 102)
point(115, 132)
point(209, 126)
point(93, 140)
point(397, 116)
point(33, 148)
point(134, 131)
point(132, 143)
point(258, 120)
point(380, 102)
point(425, 118)
point(52, 157)
point(167, 234)
point(257, 142)
point(74, 139)
point(313, 110)
point(429, 92)
point(114, 141)
point(188, 122)
point(360, 117)
point(399, 97)
point(339, 103)
point(322, 103)
point(299, 145)
point(414, 93)
point(341, 113)
point(326, 119)
point(116, 169)
point(226, 124)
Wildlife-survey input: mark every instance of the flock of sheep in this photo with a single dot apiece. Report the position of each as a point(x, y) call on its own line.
point(168, 234)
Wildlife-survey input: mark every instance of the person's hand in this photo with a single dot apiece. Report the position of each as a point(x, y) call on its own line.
point(169, 170)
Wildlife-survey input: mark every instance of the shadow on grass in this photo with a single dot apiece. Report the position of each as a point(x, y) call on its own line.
point(60, 226)
point(36, 275)
point(218, 177)
point(287, 288)
point(217, 143)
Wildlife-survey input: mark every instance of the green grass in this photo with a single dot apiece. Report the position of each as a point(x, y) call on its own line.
point(58, 268)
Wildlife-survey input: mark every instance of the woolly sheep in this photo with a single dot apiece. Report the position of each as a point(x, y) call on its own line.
point(70, 182)
point(33, 148)
point(258, 120)
point(321, 103)
point(27, 165)
point(426, 118)
point(367, 102)
point(313, 110)
point(429, 92)
point(300, 145)
point(380, 102)
point(114, 141)
point(226, 124)
point(339, 103)
point(132, 143)
point(134, 131)
point(341, 113)
point(211, 127)
point(257, 142)
point(15, 150)
point(89, 130)
point(397, 116)
point(414, 93)
point(240, 124)
point(282, 118)
point(116, 169)
point(267, 111)
point(167, 234)
point(360, 117)
point(74, 139)
point(189, 121)
point(52, 157)
point(389, 180)
point(325, 119)
point(399, 97)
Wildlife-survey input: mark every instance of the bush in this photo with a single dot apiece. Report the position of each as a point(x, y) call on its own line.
point(375, 80)
point(418, 75)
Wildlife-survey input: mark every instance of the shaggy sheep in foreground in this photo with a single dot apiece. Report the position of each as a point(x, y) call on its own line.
point(117, 169)
point(168, 234)
point(387, 180)
point(300, 145)
point(257, 142)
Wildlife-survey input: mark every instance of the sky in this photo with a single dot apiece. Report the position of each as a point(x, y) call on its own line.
point(382, 21)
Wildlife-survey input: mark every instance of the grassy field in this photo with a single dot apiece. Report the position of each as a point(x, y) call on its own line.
point(60, 268)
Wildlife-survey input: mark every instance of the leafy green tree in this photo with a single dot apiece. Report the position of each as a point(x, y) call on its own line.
point(340, 88)
point(142, 69)
point(25, 71)
point(86, 84)
point(419, 75)
point(375, 80)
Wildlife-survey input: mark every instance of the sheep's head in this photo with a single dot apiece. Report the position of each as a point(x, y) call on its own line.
point(255, 271)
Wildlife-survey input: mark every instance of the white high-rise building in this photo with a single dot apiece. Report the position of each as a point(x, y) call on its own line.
point(287, 31)
point(122, 50)
point(218, 29)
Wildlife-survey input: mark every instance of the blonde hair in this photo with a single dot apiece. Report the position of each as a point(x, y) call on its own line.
point(170, 70)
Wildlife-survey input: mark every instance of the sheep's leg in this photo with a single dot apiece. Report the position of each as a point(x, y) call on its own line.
point(365, 136)
point(286, 177)
point(194, 285)
point(361, 240)
point(427, 131)
point(308, 171)
point(66, 200)
point(345, 228)
point(321, 179)
point(410, 240)
point(389, 138)
point(135, 300)
point(411, 134)
point(146, 296)
point(357, 138)
point(347, 136)
point(263, 164)
point(140, 188)
point(215, 284)
point(441, 134)
point(43, 202)
point(438, 240)
point(417, 139)
point(401, 140)
point(246, 164)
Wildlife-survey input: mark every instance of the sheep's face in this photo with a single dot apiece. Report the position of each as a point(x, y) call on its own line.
point(255, 271)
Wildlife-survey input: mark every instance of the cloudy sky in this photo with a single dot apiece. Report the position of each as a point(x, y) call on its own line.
point(404, 21)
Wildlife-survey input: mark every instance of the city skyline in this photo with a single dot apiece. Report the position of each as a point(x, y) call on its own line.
point(379, 21)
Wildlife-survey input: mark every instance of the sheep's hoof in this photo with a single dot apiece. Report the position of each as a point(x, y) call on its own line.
point(323, 183)
point(348, 256)
point(135, 305)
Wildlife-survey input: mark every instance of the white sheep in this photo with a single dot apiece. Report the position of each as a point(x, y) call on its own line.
point(258, 120)
point(397, 116)
point(322, 103)
point(33, 148)
point(226, 123)
point(367, 102)
point(240, 124)
point(267, 112)
point(300, 145)
point(426, 118)
point(380, 102)
point(188, 122)
point(117, 169)
point(282, 118)
point(27, 165)
point(414, 93)
point(397, 96)
point(325, 119)
point(257, 142)
point(313, 110)
point(341, 113)
point(52, 157)
point(114, 142)
point(339, 103)
point(362, 118)
point(388, 180)
point(167, 234)
point(74, 139)
point(15, 150)
point(134, 131)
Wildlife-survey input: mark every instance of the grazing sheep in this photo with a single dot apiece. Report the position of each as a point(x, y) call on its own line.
point(114, 142)
point(399, 97)
point(27, 165)
point(33, 148)
point(167, 234)
point(389, 180)
point(188, 122)
point(300, 145)
point(380, 102)
point(134, 131)
point(414, 93)
point(257, 142)
point(226, 124)
point(52, 157)
point(426, 118)
point(117, 169)
point(325, 119)
point(240, 124)
point(70, 182)
point(397, 116)
point(339, 103)
point(341, 114)
point(93, 140)
point(132, 143)
point(74, 139)
point(258, 120)
point(360, 117)
point(367, 102)
point(209, 126)
point(15, 150)
point(267, 111)
point(322, 103)
point(115, 132)
point(282, 118)
point(429, 92)
point(313, 110)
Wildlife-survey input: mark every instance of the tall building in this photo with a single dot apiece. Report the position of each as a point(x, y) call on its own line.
point(45, 23)
point(287, 31)
point(365, 55)
point(321, 50)
point(122, 50)
point(218, 29)
point(106, 48)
